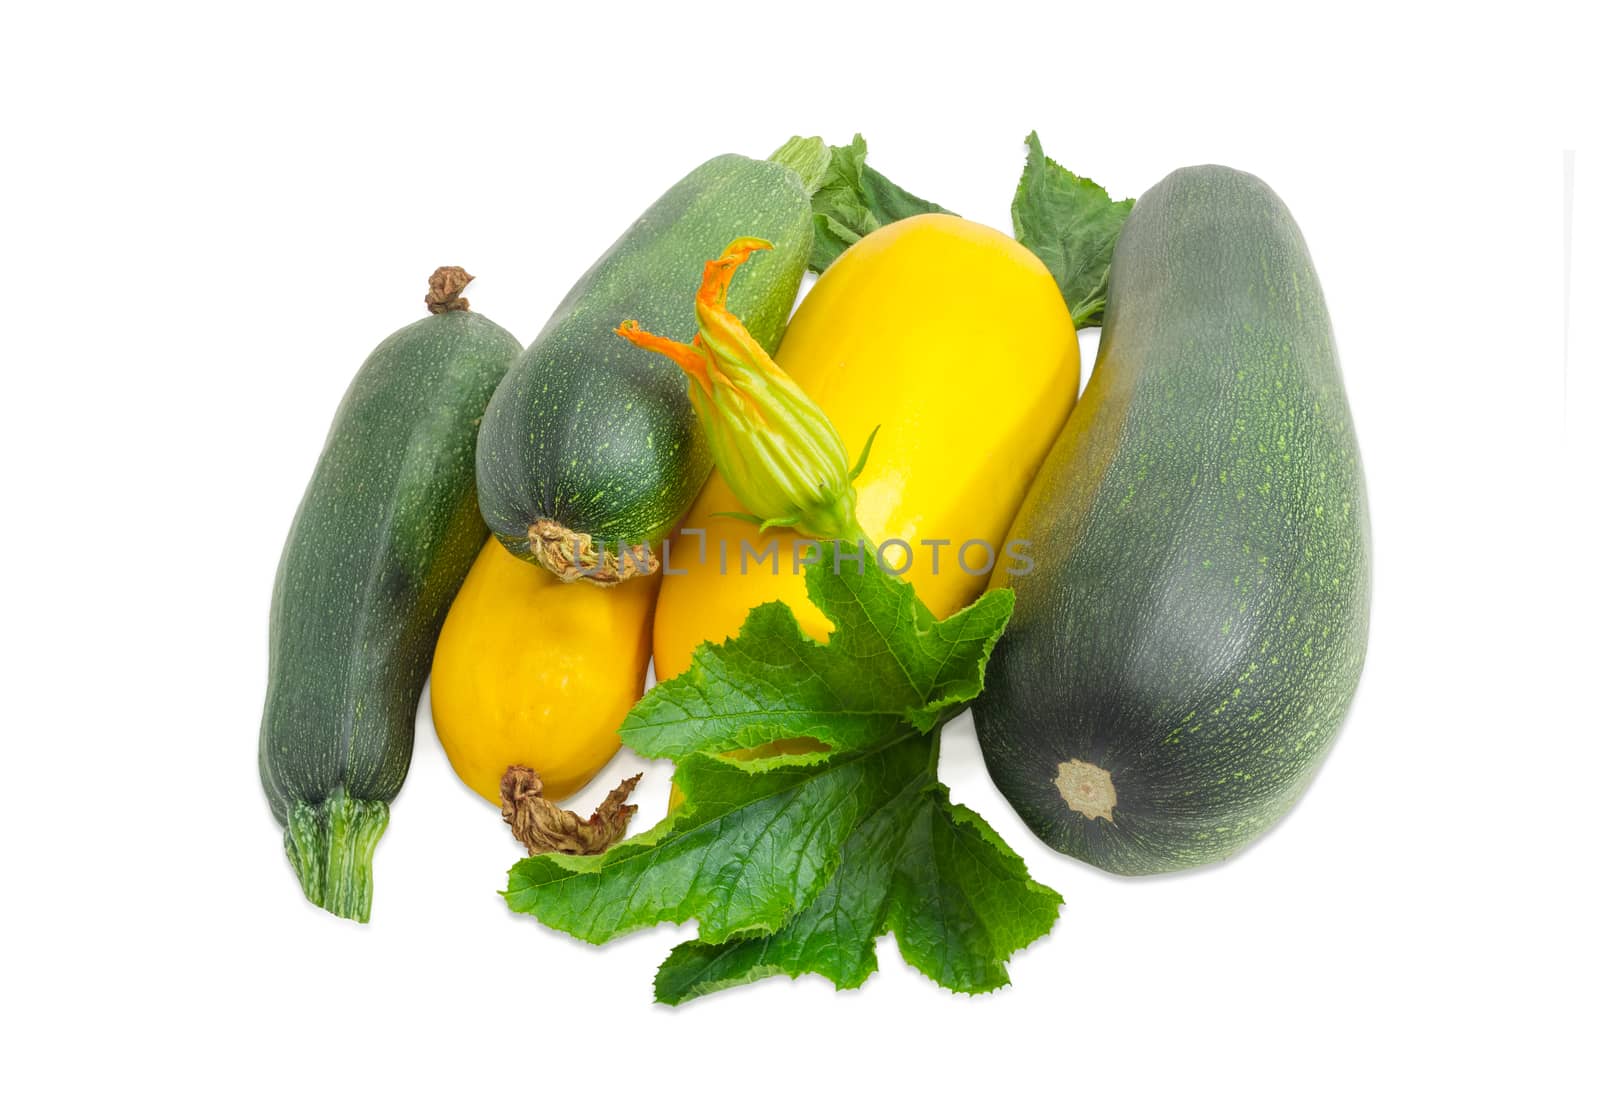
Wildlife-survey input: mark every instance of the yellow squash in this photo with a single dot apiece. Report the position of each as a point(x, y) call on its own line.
point(954, 340)
point(533, 671)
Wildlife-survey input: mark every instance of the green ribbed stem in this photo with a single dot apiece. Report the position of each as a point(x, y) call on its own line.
point(331, 846)
point(807, 157)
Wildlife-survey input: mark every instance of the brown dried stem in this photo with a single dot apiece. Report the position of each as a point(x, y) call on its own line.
point(445, 287)
point(542, 826)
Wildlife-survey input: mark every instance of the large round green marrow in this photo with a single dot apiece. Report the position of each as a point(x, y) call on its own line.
point(590, 450)
point(1191, 634)
point(383, 538)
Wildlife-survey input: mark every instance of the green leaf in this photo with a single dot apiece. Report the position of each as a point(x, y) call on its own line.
point(958, 900)
point(812, 821)
point(1071, 224)
point(888, 664)
point(853, 200)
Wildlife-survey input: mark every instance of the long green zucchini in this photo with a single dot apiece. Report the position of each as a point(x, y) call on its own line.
point(383, 538)
point(590, 450)
point(1183, 653)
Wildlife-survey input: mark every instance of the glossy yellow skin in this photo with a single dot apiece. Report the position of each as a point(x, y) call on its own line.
point(533, 671)
point(955, 340)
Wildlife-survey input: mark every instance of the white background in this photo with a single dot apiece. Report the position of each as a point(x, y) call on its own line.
point(211, 214)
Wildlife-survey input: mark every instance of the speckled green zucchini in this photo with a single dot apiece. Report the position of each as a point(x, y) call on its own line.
point(383, 538)
point(1189, 640)
point(590, 450)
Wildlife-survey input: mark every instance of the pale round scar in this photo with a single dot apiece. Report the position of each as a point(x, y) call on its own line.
point(1086, 789)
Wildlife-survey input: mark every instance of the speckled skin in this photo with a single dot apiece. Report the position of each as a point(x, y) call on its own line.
point(386, 532)
point(1197, 619)
point(597, 434)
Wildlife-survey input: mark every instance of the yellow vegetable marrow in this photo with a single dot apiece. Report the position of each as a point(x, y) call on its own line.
point(537, 672)
point(953, 341)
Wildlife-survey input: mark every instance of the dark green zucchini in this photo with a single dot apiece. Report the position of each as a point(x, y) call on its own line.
point(383, 538)
point(590, 450)
point(1190, 637)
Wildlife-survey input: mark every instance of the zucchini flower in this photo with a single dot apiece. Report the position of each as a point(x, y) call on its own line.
point(771, 442)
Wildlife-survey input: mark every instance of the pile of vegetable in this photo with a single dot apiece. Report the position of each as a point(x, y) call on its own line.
point(831, 534)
